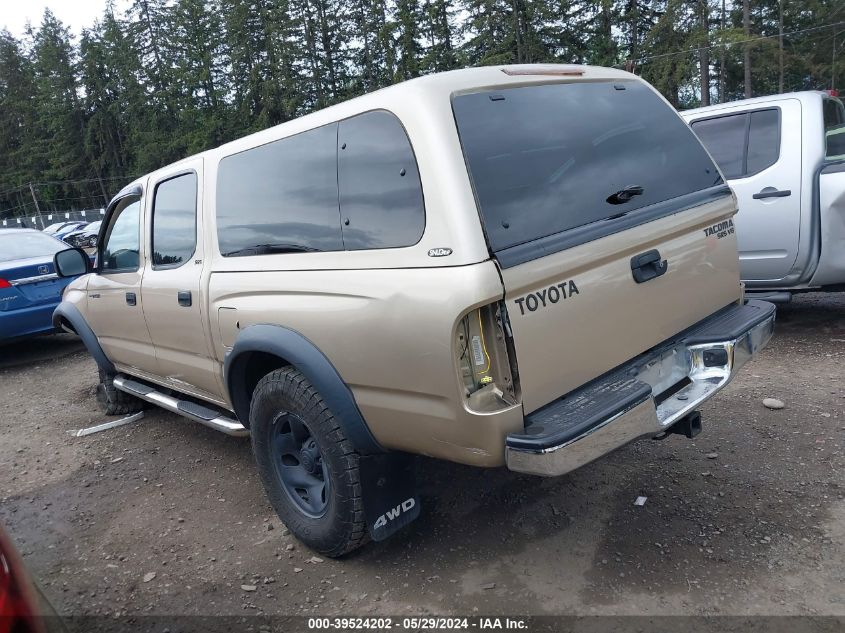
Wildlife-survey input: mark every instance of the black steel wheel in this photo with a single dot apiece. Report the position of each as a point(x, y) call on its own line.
point(307, 465)
point(299, 465)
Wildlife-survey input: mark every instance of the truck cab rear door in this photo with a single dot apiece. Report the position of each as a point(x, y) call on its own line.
point(759, 151)
point(172, 292)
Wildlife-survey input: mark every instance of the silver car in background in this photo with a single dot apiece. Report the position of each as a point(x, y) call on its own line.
point(86, 237)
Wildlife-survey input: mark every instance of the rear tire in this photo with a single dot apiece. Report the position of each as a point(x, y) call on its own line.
point(307, 465)
point(114, 401)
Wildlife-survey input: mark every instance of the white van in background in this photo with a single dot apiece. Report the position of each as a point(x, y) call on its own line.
point(790, 188)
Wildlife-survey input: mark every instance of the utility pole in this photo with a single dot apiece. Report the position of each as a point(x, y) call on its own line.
point(780, 44)
point(746, 25)
point(37, 208)
point(634, 15)
point(22, 205)
point(103, 189)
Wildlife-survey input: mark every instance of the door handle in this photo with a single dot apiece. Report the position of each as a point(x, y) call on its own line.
point(648, 265)
point(131, 299)
point(184, 298)
point(772, 193)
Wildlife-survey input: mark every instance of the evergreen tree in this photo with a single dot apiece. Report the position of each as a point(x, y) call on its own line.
point(485, 33)
point(57, 131)
point(672, 73)
point(168, 78)
point(200, 73)
point(17, 122)
point(408, 15)
point(604, 49)
point(438, 36)
point(262, 51)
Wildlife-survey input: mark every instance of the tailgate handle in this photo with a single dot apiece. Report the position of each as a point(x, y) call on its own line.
point(648, 265)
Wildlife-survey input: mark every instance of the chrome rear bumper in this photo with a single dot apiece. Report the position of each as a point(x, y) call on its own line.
point(644, 398)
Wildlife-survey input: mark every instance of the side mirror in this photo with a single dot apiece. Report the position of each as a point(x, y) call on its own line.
point(71, 263)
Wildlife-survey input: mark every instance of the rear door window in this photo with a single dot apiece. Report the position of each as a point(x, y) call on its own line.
point(724, 138)
point(834, 128)
point(548, 159)
point(175, 221)
point(742, 144)
point(381, 201)
point(763, 140)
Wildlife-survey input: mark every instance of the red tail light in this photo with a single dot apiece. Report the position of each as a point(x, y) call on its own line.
point(4, 283)
point(17, 599)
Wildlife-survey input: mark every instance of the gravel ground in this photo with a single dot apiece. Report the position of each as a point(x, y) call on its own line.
point(165, 517)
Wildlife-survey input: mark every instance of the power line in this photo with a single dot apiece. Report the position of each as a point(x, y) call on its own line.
point(71, 182)
point(92, 199)
point(746, 41)
point(66, 182)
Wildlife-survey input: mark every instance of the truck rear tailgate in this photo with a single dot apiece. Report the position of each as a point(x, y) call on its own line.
point(578, 313)
point(611, 225)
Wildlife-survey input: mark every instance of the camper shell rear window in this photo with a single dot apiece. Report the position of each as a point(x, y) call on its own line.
point(561, 164)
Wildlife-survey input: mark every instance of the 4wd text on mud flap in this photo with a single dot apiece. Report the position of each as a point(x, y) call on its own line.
point(543, 298)
point(394, 513)
point(720, 230)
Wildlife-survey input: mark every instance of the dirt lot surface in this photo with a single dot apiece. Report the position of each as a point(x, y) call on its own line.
point(166, 517)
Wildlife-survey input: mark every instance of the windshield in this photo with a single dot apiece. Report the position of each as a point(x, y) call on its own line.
point(22, 245)
point(546, 159)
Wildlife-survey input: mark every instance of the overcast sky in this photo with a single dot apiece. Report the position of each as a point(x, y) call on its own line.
point(77, 14)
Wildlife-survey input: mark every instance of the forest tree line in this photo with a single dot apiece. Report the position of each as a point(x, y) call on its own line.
point(161, 79)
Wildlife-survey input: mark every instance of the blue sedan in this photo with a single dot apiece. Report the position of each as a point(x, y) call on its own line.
point(29, 288)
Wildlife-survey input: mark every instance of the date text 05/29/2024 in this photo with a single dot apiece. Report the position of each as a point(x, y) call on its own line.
point(419, 623)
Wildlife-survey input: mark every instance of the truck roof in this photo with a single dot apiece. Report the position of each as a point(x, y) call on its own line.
point(417, 91)
point(805, 96)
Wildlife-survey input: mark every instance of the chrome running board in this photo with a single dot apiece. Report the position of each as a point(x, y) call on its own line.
point(186, 408)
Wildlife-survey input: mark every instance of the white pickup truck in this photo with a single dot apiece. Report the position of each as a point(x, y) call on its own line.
point(782, 157)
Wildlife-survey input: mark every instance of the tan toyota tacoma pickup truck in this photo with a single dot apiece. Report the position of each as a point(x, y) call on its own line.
point(521, 266)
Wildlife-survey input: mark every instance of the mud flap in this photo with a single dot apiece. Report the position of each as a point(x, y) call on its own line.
point(388, 488)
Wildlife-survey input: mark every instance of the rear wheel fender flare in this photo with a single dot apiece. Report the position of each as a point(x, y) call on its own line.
point(292, 348)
